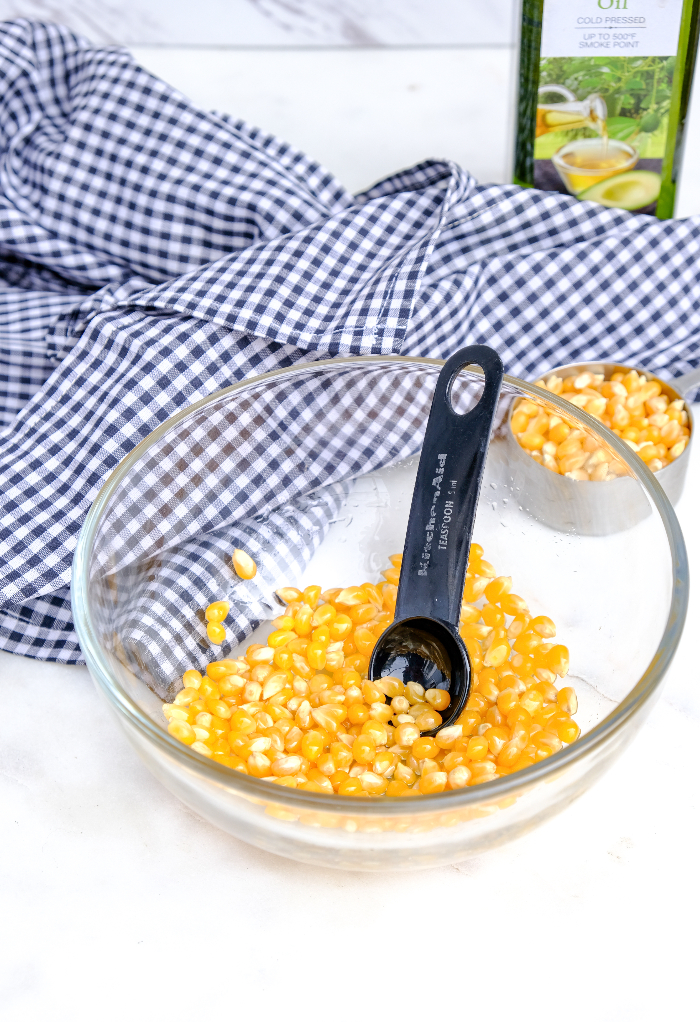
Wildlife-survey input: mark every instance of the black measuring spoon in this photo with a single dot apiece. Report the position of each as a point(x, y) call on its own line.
point(423, 644)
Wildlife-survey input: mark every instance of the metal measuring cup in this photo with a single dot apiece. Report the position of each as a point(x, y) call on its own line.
point(596, 508)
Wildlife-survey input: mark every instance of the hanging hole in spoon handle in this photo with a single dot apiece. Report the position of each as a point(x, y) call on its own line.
point(423, 644)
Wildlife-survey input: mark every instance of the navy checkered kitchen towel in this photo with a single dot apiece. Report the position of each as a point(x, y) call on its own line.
point(151, 254)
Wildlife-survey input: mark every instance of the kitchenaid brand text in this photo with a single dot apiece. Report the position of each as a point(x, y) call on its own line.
point(432, 516)
point(447, 517)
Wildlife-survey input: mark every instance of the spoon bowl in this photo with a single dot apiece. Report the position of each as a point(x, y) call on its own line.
point(429, 652)
point(423, 644)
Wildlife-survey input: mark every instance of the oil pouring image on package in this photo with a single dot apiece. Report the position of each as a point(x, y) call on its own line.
point(603, 96)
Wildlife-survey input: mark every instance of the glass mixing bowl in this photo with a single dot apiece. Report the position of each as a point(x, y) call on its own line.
point(619, 600)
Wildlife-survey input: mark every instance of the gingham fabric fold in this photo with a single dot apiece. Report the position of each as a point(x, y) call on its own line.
point(152, 253)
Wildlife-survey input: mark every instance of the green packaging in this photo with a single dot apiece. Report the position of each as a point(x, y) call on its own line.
point(603, 95)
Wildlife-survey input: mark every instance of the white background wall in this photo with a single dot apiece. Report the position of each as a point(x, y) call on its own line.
point(280, 22)
point(364, 86)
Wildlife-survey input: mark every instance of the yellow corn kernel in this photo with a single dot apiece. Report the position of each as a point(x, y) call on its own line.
point(512, 604)
point(186, 696)
point(406, 734)
point(216, 633)
point(572, 462)
point(242, 722)
point(340, 627)
point(474, 588)
point(364, 749)
point(428, 720)
point(373, 784)
point(171, 712)
point(497, 653)
point(384, 763)
point(558, 660)
point(477, 748)
point(572, 445)
point(312, 745)
point(596, 406)
point(567, 729)
point(529, 408)
point(458, 777)
point(365, 640)
point(519, 421)
point(432, 783)
point(183, 731)
point(362, 613)
point(546, 744)
point(216, 612)
point(496, 737)
point(326, 764)
point(532, 700)
point(482, 772)
point(318, 785)
point(527, 642)
point(543, 626)
point(492, 615)
point(218, 708)
point(487, 685)
point(325, 614)
point(316, 656)
point(678, 448)
point(352, 786)
point(311, 595)
point(531, 441)
point(396, 788)
point(244, 565)
point(280, 638)
point(302, 621)
point(191, 679)
point(329, 716)
point(425, 748)
point(448, 736)
point(438, 699)
point(567, 701)
point(507, 700)
point(358, 713)
point(342, 755)
point(554, 384)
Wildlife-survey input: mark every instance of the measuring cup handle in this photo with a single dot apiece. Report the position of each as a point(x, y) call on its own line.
point(684, 384)
point(445, 496)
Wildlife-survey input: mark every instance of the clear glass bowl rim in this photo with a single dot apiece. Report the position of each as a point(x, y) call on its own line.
point(503, 787)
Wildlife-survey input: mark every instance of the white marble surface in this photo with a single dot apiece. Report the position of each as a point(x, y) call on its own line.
point(366, 113)
point(280, 22)
point(117, 902)
point(362, 113)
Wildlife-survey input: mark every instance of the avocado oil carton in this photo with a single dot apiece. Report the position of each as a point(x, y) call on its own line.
point(603, 95)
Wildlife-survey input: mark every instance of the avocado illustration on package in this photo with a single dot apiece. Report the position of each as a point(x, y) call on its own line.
point(633, 190)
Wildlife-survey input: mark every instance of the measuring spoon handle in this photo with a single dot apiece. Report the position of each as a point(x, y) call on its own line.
point(446, 493)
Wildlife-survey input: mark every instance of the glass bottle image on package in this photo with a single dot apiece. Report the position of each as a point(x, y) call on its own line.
point(603, 95)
